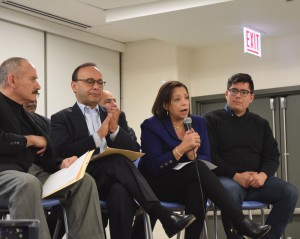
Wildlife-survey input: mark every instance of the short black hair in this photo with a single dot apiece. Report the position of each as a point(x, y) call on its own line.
point(75, 72)
point(240, 77)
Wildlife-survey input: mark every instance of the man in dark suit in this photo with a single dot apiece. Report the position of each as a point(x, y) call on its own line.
point(86, 126)
point(27, 159)
point(108, 100)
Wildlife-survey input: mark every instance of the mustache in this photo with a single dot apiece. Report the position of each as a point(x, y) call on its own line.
point(36, 92)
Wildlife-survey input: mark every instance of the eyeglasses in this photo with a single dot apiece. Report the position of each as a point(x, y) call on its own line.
point(91, 82)
point(235, 91)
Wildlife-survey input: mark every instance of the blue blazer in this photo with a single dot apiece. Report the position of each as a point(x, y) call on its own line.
point(70, 133)
point(158, 139)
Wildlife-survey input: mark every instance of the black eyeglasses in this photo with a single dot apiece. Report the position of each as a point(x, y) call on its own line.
point(91, 82)
point(235, 91)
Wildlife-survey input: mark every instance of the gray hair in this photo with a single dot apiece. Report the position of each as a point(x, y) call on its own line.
point(11, 65)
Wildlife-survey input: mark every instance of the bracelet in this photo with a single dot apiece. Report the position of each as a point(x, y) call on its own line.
point(178, 152)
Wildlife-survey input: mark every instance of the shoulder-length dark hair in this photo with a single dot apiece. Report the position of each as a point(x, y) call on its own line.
point(164, 96)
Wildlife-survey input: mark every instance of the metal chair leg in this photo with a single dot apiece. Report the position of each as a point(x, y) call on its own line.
point(215, 221)
point(57, 228)
point(147, 226)
point(65, 221)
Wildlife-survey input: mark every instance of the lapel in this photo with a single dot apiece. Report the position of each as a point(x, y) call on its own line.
point(78, 120)
point(169, 127)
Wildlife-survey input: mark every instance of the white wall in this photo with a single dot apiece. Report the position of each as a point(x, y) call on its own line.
point(56, 51)
point(146, 65)
point(63, 55)
point(205, 71)
point(18, 41)
point(278, 67)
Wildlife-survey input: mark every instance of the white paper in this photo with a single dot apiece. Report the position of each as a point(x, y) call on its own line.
point(62, 177)
point(210, 165)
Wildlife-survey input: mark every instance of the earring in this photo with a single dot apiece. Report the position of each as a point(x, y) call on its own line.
point(167, 112)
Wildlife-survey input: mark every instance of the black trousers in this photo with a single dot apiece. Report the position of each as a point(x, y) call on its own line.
point(186, 187)
point(120, 184)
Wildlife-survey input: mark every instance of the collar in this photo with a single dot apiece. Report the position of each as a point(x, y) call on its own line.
point(82, 107)
point(15, 106)
point(229, 110)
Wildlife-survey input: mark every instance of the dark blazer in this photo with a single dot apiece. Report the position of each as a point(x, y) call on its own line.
point(124, 124)
point(13, 152)
point(159, 138)
point(70, 133)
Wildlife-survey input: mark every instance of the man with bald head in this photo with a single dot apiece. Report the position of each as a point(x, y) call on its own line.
point(27, 159)
point(109, 101)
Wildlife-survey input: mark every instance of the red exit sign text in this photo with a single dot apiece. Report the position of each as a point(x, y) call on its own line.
point(252, 41)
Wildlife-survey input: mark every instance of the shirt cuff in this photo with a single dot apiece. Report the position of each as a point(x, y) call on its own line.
point(114, 134)
point(100, 143)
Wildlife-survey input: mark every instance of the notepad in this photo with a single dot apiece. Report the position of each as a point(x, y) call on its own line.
point(67, 176)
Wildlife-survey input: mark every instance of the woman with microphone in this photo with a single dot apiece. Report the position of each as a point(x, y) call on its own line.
point(176, 162)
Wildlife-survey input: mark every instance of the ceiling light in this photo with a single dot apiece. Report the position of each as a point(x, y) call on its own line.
point(141, 10)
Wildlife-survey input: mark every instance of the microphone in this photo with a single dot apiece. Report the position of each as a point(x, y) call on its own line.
point(188, 126)
point(187, 123)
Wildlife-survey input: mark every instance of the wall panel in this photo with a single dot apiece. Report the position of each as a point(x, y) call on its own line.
point(63, 56)
point(24, 42)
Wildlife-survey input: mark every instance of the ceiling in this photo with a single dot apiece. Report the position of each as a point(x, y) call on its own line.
point(195, 26)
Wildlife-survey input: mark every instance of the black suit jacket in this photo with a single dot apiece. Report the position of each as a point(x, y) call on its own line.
point(13, 144)
point(124, 124)
point(70, 133)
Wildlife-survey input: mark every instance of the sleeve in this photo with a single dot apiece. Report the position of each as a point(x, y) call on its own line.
point(123, 141)
point(158, 158)
point(11, 143)
point(270, 153)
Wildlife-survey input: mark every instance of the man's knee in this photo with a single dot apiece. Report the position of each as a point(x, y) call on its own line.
point(291, 193)
point(30, 184)
point(118, 190)
point(234, 190)
point(119, 193)
point(120, 197)
point(88, 181)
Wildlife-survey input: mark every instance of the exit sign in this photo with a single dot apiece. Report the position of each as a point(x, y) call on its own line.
point(252, 41)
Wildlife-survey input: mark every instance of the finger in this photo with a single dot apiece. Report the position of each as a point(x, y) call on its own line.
point(41, 151)
point(68, 162)
point(73, 159)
